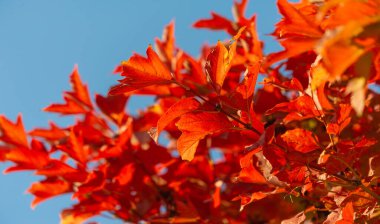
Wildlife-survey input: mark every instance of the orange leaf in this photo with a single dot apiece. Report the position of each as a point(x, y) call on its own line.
point(301, 108)
point(218, 64)
point(343, 119)
point(187, 144)
point(13, 133)
point(53, 134)
point(256, 196)
point(207, 122)
point(176, 110)
point(195, 126)
point(126, 174)
point(76, 149)
point(166, 46)
point(297, 29)
point(70, 107)
point(48, 188)
point(347, 214)
point(248, 173)
point(293, 47)
point(247, 87)
point(80, 90)
point(76, 102)
point(27, 159)
point(295, 22)
point(113, 107)
point(69, 217)
point(300, 140)
point(217, 22)
point(141, 72)
point(58, 168)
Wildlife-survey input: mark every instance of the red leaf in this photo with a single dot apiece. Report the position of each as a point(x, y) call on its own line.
point(293, 47)
point(53, 134)
point(76, 149)
point(300, 140)
point(126, 174)
point(166, 46)
point(48, 188)
point(56, 168)
point(301, 108)
point(70, 107)
point(347, 214)
point(113, 107)
point(247, 87)
point(295, 22)
point(176, 110)
point(195, 126)
point(248, 173)
point(141, 72)
point(217, 22)
point(13, 133)
point(343, 119)
point(76, 102)
point(27, 159)
point(219, 63)
point(80, 90)
point(256, 196)
point(68, 217)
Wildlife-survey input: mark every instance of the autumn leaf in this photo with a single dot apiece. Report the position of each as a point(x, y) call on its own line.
point(80, 91)
point(57, 168)
point(53, 134)
point(69, 217)
point(347, 214)
point(298, 32)
point(113, 107)
point(293, 47)
point(76, 148)
point(216, 22)
point(249, 172)
point(176, 110)
point(48, 188)
point(248, 86)
point(218, 64)
point(166, 46)
point(295, 22)
point(300, 108)
point(195, 126)
point(76, 102)
point(13, 133)
point(300, 140)
point(343, 119)
point(24, 158)
point(126, 174)
point(292, 137)
point(140, 72)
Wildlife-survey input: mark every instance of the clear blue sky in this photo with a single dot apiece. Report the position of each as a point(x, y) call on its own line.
point(41, 40)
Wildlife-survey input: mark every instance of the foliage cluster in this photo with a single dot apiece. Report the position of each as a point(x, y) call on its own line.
point(302, 145)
